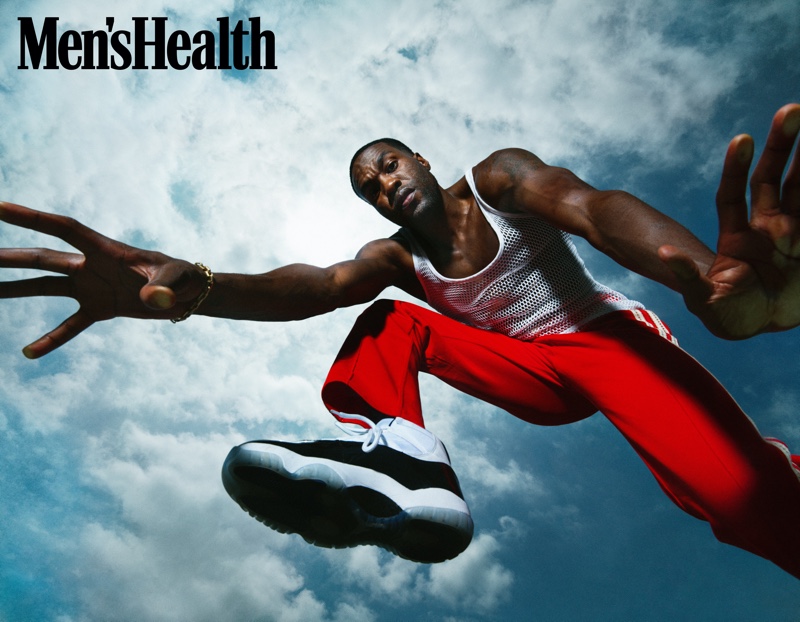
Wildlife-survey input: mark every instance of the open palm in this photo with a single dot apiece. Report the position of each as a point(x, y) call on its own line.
point(107, 278)
point(753, 285)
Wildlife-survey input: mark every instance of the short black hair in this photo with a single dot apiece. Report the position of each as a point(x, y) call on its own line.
point(392, 142)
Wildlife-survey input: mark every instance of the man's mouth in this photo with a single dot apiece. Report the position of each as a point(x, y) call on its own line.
point(403, 197)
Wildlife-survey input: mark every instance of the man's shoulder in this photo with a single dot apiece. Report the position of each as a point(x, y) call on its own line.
point(502, 171)
point(395, 248)
point(393, 256)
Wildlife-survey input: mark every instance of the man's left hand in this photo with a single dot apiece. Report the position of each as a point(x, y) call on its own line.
point(753, 284)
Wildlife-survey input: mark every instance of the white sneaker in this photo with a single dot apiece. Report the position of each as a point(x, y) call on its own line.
point(394, 488)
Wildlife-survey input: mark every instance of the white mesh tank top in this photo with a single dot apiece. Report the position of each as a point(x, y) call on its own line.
point(536, 285)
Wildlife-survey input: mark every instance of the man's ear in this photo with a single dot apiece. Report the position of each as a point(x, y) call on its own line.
point(422, 161)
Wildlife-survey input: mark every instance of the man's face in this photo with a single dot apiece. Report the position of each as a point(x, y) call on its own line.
point(397, 184)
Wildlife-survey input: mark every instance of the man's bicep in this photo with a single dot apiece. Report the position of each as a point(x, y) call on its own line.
point(558, 196)
point(523, 183)
point(377, 266)
point(357, 281)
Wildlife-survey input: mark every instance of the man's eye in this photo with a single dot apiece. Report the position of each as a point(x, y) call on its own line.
point(392, 166)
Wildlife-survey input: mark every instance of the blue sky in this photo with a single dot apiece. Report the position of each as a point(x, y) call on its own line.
point(110, 449)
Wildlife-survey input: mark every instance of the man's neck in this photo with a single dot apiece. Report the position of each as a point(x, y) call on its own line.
point(456, 235)
point(438, 226)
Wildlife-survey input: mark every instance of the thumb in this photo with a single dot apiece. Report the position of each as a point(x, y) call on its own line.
point(691, 283)
point(160, 292)
point(157, 297)
point(174, 282)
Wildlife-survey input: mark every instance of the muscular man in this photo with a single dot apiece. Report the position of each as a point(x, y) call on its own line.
point(522, 325)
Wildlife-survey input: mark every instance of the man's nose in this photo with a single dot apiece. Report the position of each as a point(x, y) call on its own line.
point(390, 187)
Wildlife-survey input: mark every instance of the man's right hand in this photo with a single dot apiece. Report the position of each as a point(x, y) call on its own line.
point(107, 278)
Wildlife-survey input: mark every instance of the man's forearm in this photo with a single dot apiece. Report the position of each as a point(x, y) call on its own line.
point(292, 292)
point(631, 232)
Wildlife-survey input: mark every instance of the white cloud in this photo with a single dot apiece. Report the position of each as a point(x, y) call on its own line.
point(385, 577)
point(781, 417)
point(494, 477)
point(180, 549)
point(353, 613)
point(474, 579)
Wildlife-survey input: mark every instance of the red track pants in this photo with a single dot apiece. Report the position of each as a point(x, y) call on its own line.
point(703, 450)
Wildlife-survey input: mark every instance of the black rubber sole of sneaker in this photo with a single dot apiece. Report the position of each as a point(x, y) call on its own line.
point(326, 513)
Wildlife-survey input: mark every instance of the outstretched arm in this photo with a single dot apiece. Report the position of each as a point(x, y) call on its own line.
point(298, 291)
point(750, 285)
point(110, 279)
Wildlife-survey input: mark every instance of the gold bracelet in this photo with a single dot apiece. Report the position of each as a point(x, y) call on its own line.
point(201, 298)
